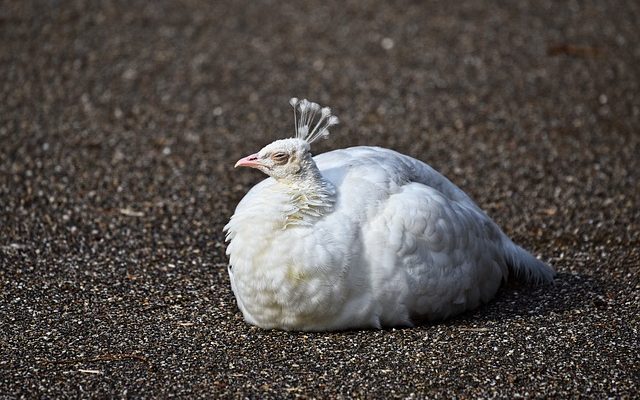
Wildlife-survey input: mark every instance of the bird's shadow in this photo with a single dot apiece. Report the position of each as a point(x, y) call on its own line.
point(568, 292)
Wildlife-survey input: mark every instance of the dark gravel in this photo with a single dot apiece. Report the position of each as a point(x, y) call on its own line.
point(119, 127)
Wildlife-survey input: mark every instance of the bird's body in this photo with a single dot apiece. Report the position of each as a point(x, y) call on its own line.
point(366, 237)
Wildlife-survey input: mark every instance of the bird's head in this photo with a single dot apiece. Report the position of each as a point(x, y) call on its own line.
point(281, 159)
point(289, 159)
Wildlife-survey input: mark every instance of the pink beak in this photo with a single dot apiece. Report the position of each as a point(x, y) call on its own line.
point(248, 161)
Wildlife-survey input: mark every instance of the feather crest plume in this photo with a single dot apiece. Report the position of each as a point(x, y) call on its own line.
point(311, 121)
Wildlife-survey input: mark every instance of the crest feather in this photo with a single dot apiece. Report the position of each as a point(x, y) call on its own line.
point(309, 123)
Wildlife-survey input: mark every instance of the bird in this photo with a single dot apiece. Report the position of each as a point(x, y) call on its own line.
point(361, 238)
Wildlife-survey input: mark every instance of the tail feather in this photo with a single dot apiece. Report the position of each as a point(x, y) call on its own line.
point(525, 267)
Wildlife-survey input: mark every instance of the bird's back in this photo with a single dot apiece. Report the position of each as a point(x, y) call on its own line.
point(430, 250)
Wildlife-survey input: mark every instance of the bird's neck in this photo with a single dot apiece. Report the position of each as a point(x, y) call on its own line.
point(311, 195)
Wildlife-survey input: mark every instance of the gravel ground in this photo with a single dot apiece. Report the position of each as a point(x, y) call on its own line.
point(120, 123)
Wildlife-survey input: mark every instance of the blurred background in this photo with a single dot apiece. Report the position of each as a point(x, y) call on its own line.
point(120, 122)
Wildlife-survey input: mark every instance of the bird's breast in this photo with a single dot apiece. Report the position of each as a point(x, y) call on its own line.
point(289, 277)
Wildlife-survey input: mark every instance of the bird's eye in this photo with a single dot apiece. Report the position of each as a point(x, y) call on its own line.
point(280, 157)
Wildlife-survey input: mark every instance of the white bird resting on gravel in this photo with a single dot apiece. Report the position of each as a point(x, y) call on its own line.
point(363, 237)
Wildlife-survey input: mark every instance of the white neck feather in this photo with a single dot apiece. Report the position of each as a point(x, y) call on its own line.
point(311, 195)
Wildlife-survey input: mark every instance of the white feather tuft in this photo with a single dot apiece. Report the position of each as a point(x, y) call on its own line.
point(309, 124)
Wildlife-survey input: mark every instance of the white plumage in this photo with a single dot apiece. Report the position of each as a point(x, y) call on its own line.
point(361, 237)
